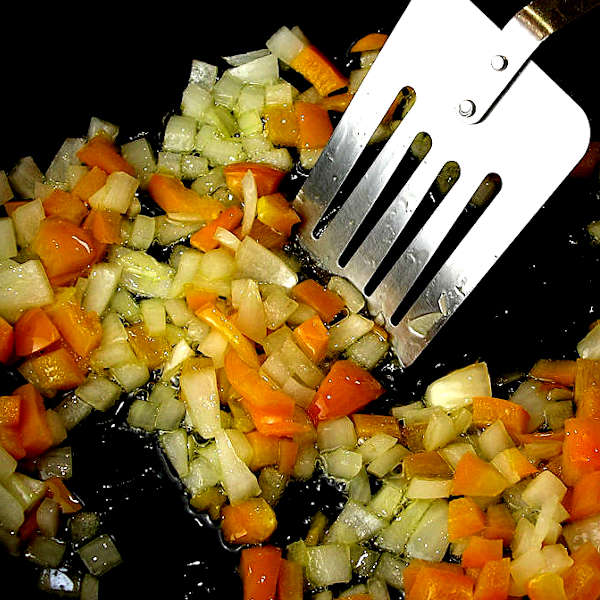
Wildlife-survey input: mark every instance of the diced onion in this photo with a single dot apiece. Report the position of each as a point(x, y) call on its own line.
point(285, 45)
point(336, 433)
point(458, 388)
point(8, 239)
point(429, 541)
point(328, 564)
point(200, 393)
point(102, 284)
point(100, 555)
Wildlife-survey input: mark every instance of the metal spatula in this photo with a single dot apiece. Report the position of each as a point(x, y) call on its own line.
point(488, 110)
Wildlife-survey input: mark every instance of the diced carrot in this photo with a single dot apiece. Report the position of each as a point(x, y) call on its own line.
point(152, 351)
point(480, 550)
point(81, 329)
point(546, 586)
point(266, 236)
point(425, 464)
point(587, 388)
point(173, 196)
point(265, 450)
point(66, 250)
point(476, 477)
point(243, 346)
point(493, 582)
point(229, 219)
point(52, 371)
point(101, 152)
point(251, 521)
point(10, 440)
point(465, 518)
point(416, 565)
point(10, 410)
point(580, 449)
point(288, 452)
point(7, 341)
point(276, 212)
point(312, 337)
point(290, 585)
point(318, 70)
point(487, 410)
point(12, 205)
point(369, 425)
point(104, 225)
point(585, 500)
point(344, 390)
point(582, 578)
point(557, 371)
point(259, 570)
point(34, 331)
point(89, 183)
point(371, 41)
point(337, 102)
point(436, 583)
point(540, 436)
point(271, 410)
point(499, 523)
point(327, 303)
point(267, 178)
point(58, 491)
point(66, 205)
point(36, 436)
point(281, 126)
point(197, 299)
point(314, 125)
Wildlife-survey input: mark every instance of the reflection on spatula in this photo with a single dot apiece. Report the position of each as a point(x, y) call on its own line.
point(489, 116)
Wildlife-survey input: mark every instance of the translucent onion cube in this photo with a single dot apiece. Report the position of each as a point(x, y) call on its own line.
point(100, 555)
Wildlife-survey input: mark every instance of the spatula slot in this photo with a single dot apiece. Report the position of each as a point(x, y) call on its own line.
point(407, 166)
point(423, 272)
point(340, 187)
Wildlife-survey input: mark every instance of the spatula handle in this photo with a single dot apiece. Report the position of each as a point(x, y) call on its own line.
point(544, 17)
point(516, 42)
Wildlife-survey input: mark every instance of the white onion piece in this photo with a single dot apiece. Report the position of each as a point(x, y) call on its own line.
point(494, 439)
point(261, 71)
point(6, 193)
point(200, 393)
point(90, 586)
point(285, 45)
point(387, 501)
point(328, 564)
point(422, 488)
point(174, 444)
point(387, 461)
point(23, 177)
point(440, 431)
point(347, 331)
point(56, 462)
point(227, 239)
point(336, 433)
point(47, 517)
point(250, 202)
point(396, 535)
point(429, 541)
point(342, 463)
point(351, 296)
point(7, 464)
point(251, 319)
point(45, 552)
point(542, 487)
point(532, 396)
point(389, 569)
point(154, 316)
point(257, 262)
point(12, 513)
point(457, 389)
point(102, 284)
point(375, 446)
point(100, 555)
point(8, 239)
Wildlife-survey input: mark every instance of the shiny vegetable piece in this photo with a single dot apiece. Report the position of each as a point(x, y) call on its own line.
point(580, 449)
point(101, 152)
point(426, 464)
point(465, 518)
point(480, 550)
point(493, 582)
point(259, 570)
point(436, 583)
point(487, 410)
point(211, 315)
point(36, 436)
point(267, 178)
point(546, 586)
point(476, 477)
point(337, 102)
point(10, 410)
point(89, 183)
point(204, 239)
point(152, 351)
point(582, 579)
point(66, 250)
point(371, 41)
point(105, 226)
point(275, 211)
point(265, 450)
point(318, 70)
point(58, 491)
point(7, 341)
point(271, 410)
point(290, 585)
point(34, 331)
point(11, 441)
point(416, 565)
point(557, 371)
point(585, 499)
point(369, 425)
point(66, 205)
point(312, 337)
point(81, 329)
point(499, 523)
point(281, 127)
point(252, 521)
point(587, 388)
point(327, 304)
point(53, 371)
point(174, 197)
point(314, 125)
point(345, 389)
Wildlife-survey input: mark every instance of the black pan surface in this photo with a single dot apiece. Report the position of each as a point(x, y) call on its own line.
point(65, 64)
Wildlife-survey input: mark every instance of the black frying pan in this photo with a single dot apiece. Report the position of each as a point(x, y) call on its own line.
point(64, 65)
